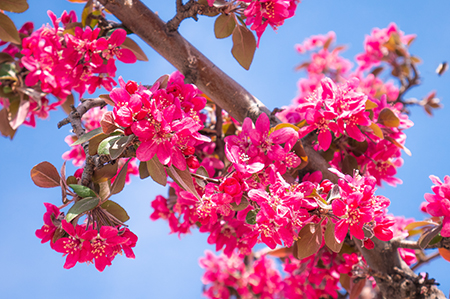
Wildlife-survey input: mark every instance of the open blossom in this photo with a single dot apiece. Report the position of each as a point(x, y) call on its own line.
point(62, 63)
point(439, 203)
point(46, 232)
point(261, 13)
point(87, 245)
point(165, 119)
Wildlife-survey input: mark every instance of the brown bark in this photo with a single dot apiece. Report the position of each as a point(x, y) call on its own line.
point(395, 279)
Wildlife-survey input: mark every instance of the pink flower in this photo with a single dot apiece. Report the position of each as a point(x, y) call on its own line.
point(439, 202)
point(46, 232)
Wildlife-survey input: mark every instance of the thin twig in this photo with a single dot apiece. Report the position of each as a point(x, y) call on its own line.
point(427, 259)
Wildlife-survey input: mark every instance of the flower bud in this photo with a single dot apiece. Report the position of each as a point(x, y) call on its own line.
point(131, 87)
point(192, 162)
point(230, 186)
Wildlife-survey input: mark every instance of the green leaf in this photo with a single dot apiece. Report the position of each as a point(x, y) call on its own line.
point(14, 5)
point(183, 178)
point(105, 146)
point(116, 210)
point(143, 171)
point(45, 175)
point(82, 206)
point(156, 171)
point(87, 136)
point(8, 31)
point(244, 46)
point(388, 118)
point(119, 182)
point(330, 237)
point(82, 191)
point(120, 145)
point(251, 217)
point(309, 240)
point(8, 71)
point(224, 25)
point(134, 47)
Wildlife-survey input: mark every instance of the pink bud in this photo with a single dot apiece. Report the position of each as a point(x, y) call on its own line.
point(192, 162)
point(230, 186)
point(131, 87)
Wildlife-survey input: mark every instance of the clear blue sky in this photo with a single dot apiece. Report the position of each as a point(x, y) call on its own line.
point(166, 267)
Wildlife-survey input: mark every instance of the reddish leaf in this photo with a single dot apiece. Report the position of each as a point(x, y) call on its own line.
point(134, 47)
point(183, 178)
point(156, 171)
point(281, 252)
point(330, 237)
point(8, 31)
point(14, 5)
point(376, 130)
point(356, 288)
point(388, 118)
point(143, 171)
point(45, 175)
point(244, 46)
point(22, 113)
point(445, 253)
point(119, 182)
point(68, 103)
point(416, 224)
point(107, 99)
point(224, 25)
point(105, 173)
point(349, 164)
point(5, 128)
point(309, 240)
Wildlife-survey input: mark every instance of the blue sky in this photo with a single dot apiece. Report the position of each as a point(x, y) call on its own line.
point(165, 266)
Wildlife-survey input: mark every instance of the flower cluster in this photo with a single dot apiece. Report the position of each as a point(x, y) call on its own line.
point(438, 204)
point(165, 118)
point(85, 244)
point(228, 276)
point(380, 45)
point(261, 13)
point(359, 208)
point(81, 61)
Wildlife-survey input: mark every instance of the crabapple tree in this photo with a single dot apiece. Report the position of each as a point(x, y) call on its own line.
point(301, 180)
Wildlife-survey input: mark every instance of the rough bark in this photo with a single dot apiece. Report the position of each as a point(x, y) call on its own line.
point(395, 278)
